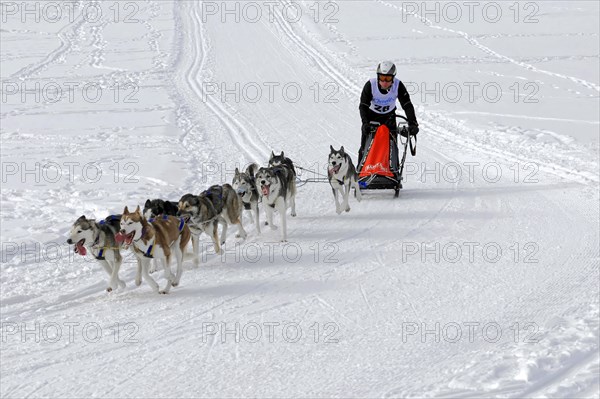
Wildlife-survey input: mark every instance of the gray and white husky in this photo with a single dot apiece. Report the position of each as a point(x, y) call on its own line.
point(99, 238)
point(204, 212)
point(342, 177)
point(244, 183)
point(277, 187)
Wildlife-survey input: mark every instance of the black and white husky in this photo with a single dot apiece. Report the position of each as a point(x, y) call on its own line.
point(278, 161)
point(281, 159)
point(342, 177)
point(244, 183)
point(156, 207)
point(99, 238)
point(277, 187)
point(204, 212)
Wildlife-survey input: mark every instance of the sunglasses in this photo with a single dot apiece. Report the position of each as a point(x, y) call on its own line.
point(386, 78)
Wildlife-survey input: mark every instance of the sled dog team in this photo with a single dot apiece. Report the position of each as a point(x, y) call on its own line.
point(163, 229)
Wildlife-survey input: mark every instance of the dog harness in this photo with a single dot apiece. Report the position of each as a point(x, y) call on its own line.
point(101, 252)
point(150, 251)
point(206, 193)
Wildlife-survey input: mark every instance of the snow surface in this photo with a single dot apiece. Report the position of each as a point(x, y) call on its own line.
point(403, 297)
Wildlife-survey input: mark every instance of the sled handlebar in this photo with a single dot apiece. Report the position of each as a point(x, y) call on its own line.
point(401, 117)
point(375, 123)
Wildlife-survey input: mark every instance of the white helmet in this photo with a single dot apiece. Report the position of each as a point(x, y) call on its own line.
point(386, 68)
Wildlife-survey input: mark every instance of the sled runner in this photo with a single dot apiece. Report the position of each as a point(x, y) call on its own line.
point(380, 167)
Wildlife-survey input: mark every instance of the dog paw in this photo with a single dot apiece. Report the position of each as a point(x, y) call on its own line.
point(138, 282)
point(338, 211)
point(348, 209)
point(163, 292)
point(175, 283)
point(109, 289)
point(266, 223)
point(293, 214)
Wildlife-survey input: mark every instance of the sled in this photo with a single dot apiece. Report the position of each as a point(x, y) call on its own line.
point(380, 168)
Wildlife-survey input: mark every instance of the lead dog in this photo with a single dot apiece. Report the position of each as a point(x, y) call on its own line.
point(100, 239)
point(342, 177)
point(160, 239)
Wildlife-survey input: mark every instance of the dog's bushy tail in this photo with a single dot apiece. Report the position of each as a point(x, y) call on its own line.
point(252, 169)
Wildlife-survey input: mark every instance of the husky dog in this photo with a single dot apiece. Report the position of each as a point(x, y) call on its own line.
point(342, 177)
point(282, 161)
point(229, 206)
point(160, 239)
point(277, 186)
point(155, 207)
point(201, 216)
point(100, 239)
point(244, 184)
point(204, 212)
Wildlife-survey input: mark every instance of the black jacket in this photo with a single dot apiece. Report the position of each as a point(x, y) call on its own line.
point(367, 115)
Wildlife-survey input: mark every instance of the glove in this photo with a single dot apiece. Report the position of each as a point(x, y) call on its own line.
point(413, 130)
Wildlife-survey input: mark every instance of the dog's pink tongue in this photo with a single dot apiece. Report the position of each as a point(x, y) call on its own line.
point(265, 190)
point(80, 249)
point(119, 237)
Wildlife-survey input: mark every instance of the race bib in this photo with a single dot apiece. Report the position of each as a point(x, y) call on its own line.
point(383, 103)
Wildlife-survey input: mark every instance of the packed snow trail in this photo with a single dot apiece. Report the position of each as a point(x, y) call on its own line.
point(480, 280)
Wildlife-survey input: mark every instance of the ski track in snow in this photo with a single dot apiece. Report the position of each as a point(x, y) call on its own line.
point(474, 42)
point(567, 355)
point(197, 75)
